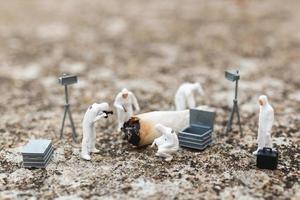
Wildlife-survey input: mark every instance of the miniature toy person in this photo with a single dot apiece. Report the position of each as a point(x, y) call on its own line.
point(93, 114)
point(124, 103)
point(167, 143)
point(266, 119)
point(185, 95)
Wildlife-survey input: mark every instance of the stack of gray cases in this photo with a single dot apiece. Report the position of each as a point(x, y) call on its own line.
point(198, 135)
point(37, 153)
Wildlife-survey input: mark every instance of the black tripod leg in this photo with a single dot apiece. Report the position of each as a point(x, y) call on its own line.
point(239, 120)
point(63, 122)
point(229, 123)
point(73, 127)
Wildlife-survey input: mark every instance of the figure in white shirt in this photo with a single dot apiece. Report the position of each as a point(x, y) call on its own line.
point(167, 143)
point(185, 95)
point(266, 119)
point(124, 103)
point(93, 114)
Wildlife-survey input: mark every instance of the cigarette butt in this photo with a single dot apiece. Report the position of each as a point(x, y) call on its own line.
point(140, 129)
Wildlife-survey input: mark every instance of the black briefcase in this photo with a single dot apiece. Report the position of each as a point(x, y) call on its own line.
point(267, 159)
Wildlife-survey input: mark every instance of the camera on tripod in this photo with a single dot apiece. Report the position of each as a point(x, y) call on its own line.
point(67, 79)
point(232, 75)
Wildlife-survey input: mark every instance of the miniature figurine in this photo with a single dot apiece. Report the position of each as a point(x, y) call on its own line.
point(124, 103)
point(167, 143)
point(185, 95)
point(266, 119)
point(93, 114)
point(140, 129)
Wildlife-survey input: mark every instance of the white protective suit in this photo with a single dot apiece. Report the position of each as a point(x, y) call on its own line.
point(266, 119)
point(167, 143)
point(185, 95)
point(124, 103)
point(93, 114)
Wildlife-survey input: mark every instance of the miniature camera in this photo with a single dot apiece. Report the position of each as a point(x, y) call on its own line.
point(67, 79)
point(232, 75)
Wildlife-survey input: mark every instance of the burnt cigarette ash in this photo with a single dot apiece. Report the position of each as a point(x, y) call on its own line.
point(131, 130)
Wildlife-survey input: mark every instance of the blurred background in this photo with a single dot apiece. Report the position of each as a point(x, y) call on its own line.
point(149, 47)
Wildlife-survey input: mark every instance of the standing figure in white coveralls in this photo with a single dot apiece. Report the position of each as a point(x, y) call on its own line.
point(185, 95)
point(266, 119)
point(124, 103)
point(93, 114)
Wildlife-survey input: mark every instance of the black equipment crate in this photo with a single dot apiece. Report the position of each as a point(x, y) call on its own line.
point(198, 135)
point(267, 159)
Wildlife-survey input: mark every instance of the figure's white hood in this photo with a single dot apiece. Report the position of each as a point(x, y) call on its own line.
point(263, 100)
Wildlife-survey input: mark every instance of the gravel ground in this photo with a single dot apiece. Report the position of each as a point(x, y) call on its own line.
point(150, 47)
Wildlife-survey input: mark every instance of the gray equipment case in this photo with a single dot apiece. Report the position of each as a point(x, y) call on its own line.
point(37, 153)
point(198, 135)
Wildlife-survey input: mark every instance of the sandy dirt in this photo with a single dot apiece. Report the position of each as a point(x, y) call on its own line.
point(150, 47)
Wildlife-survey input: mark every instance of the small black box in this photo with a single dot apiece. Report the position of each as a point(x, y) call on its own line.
point(67, 79)
point(267, 159)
